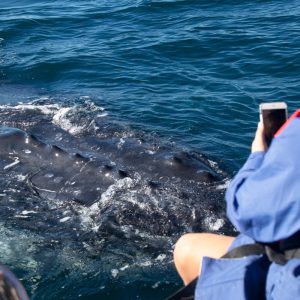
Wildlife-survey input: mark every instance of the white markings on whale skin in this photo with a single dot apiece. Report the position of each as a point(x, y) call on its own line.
point(45, 190)
point(26, 212)
point(121, 184)
point(16, 162)
point(49, 175)
point(122, 178)
point(65, 219)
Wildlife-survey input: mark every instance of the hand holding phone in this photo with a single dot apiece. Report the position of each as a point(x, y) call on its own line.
point(273, 115)
point(259, 143)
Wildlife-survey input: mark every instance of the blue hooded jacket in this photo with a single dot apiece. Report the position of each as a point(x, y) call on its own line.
point(263, 203)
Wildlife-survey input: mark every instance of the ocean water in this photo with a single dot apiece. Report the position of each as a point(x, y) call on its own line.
point(185, 74)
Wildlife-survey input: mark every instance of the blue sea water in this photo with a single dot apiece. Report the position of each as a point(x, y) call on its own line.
point(191, 72)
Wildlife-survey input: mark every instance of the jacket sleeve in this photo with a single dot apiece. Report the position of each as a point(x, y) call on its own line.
point(253, 162)
point(263, 199)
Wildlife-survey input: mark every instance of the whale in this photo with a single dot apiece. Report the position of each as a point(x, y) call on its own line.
point(88, 178)
point(118, 176)
point(82, 178)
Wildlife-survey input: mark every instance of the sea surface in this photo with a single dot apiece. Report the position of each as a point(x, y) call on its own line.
point(183, 73)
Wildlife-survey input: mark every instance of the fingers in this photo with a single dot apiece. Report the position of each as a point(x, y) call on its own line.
point(259, 143)
point(260, 126)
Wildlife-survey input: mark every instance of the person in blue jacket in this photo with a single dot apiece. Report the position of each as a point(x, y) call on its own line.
point(263, 203)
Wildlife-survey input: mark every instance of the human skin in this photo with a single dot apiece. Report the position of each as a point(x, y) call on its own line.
point(259, 143)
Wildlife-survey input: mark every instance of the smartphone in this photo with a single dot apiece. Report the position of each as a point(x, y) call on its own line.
point(273, 116)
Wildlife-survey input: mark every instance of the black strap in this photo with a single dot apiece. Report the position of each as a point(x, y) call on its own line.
point(280, 257)
point(245, 250)
point(293, 253)
point(185, 293)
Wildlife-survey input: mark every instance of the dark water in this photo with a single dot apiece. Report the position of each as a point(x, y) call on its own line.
point(189, 74)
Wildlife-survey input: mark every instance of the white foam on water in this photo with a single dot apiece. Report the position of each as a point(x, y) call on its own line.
point(146, 263)
point(161, 257)
point(86, 217)
point(60, 115)
point(194, 213)
point(122, 184)
point(20, 177)
point(60, 118)
point(155, 285)
point(114, 273)
point(224, 186)
point(14, 244)
point(214, 224)
point(87, 213)
point(47, 109)
point(131, 199)
point(121, 143)
point(213, 164)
